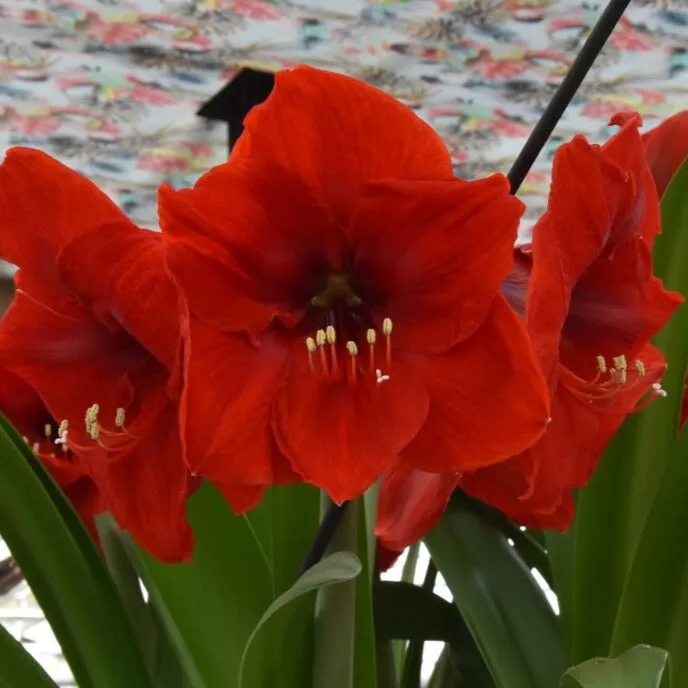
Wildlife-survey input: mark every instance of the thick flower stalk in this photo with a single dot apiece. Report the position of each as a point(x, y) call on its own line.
point(342, 305)
point(94, 329)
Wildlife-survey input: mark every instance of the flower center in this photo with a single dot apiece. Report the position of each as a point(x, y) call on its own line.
point(51, 441)
point(338, 291)
point(609, 381)
point(343, 341)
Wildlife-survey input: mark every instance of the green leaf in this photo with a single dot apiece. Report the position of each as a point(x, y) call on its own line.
point(657, 431)
point(339, 567)
point(284, 524)
point(238, 565)
point(507, 613)
point(365, 653)
point(620, 493)
point(211, 604)
point(654, 605)
point(406, 611)
point(65, 572)
point(18, 669)
point(639, 667)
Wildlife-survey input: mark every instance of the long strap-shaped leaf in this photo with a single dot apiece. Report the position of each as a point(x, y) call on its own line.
point(507, 613)
point(18, 669)
point(654, 605)
point(65, 572)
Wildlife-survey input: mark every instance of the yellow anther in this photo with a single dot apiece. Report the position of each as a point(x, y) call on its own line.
point(330, 334)
point(63, 427)
point(94, 431)
point(91, 417)
point(601, 364)
point(620, 362)
point(371, 336)
point(320, 337)
point(387, 327)
point(639, 367)
point(36, 447)
point(352, 348)
point(119, 418)
point(310, 345)
point(48, 430)
point(618, 375)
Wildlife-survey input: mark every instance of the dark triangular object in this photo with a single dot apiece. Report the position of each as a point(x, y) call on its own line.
point(232, 103)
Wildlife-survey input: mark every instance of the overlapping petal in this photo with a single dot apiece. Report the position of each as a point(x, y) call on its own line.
point(226, 408)
point(341, 436)
point(71, 359)
point(666, 147)
point(433, 254)
point(247, 244)
point(336, 134)
point(488, 400)
point(77, 238)
point(146, 491)
point(410, 503)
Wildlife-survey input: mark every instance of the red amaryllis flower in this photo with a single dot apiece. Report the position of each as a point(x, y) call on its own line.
point(342, 290)
point(22, 406)
point(666, 147)
point(592, 305)
point(93, 328)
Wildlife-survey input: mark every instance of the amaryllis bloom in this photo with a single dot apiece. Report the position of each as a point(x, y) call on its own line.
point(592, 306)
point(22, 406)
point(666, 147)
point(93, 328)
point(342, 296)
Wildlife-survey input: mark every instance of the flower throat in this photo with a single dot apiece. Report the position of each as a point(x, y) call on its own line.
point(345, 342)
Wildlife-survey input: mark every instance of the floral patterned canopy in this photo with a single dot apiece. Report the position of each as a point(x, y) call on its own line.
point(111, 88)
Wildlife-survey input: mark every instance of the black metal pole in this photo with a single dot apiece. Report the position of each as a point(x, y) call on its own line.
point(324, 536)
point(564, 94)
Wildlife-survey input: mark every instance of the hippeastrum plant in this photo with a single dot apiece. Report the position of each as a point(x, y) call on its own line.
point(329, 353)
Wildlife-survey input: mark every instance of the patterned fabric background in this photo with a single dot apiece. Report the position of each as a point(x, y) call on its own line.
point(111, 88)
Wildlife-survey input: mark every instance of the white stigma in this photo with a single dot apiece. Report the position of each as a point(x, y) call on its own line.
point(379, 377)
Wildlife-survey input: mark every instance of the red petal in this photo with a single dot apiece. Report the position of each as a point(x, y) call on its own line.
point(121, 276)
point(434, 254)
point(640, 215)
point(337, 133)
point(666, 147)
point(226, 406)
point(246, 244)
point(410, 504)
point(340, 436)
point(34, 233)
point(77, 235)
point(570, 236)
point(241, 498)
point(70, 359)
point(488, 400)
point(146, 491)
point(615, 309)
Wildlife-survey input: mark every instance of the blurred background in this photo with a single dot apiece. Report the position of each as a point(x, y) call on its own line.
point(112, 89)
